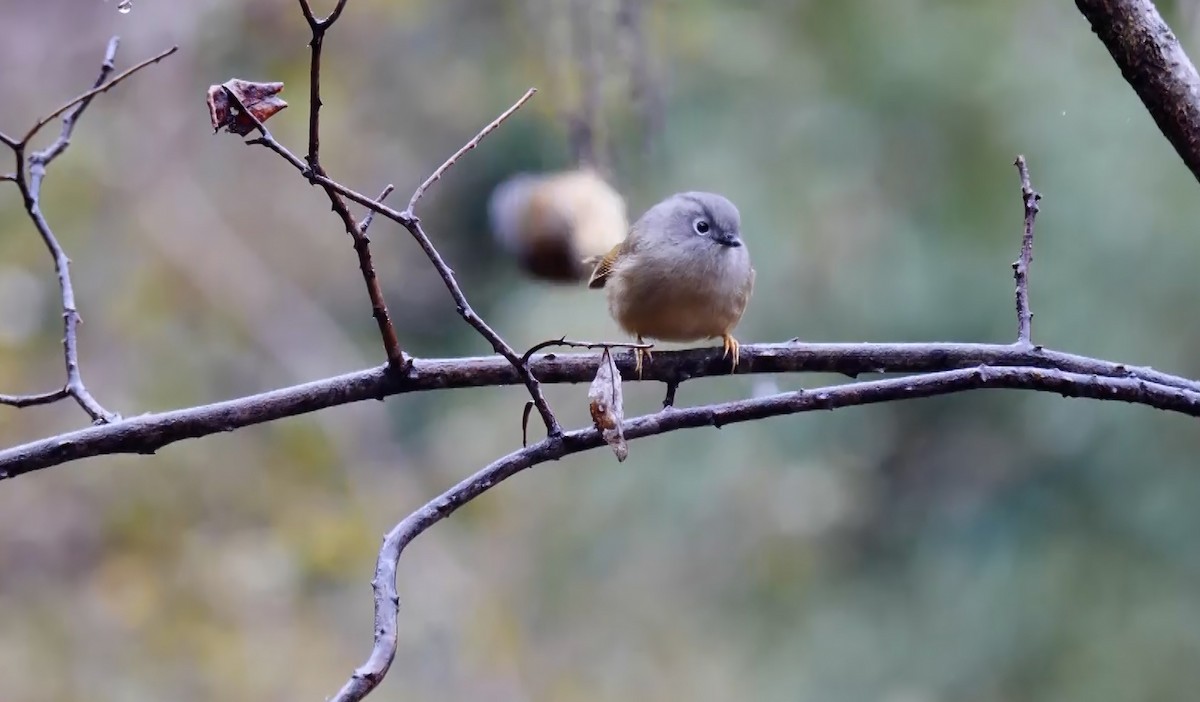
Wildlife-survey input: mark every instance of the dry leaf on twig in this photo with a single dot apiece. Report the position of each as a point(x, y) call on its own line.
point(607, 406)
point(260, 99)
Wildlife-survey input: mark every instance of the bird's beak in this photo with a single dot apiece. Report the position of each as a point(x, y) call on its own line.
point(730, 240)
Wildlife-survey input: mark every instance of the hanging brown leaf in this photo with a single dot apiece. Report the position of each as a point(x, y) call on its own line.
point(259, 99)
point(607, 406)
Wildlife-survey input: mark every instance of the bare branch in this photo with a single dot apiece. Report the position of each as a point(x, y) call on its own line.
point(441, 171)
point(387, 600)
point(401, 218)
point(30, 187)
point(318, 27)
point(44, 398)
point(366, 223)
point(148, 433)
point(51, 152)
point(669, 398)
point(312, 20)
point(333, 16)
point(322, 24)
point(312, 169)
point(1030, 198)
point(412, 223)
point(362, 245)
point(83, 97)
point(499, 345)
point(564, 341)
point(70, 313)
point(1154, 63)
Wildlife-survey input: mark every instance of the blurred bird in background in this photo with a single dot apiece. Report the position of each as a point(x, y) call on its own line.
point(604, 88)
point(554, 223)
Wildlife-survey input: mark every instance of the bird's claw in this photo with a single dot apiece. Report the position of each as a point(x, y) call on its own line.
point(638, 353)
point(731, 345)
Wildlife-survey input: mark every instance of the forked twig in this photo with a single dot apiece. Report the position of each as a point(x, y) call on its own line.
point(29, 176)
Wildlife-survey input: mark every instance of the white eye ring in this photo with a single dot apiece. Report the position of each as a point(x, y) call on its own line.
point(701, 226)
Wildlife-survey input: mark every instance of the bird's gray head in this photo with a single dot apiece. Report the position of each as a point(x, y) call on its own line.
point(697, 218)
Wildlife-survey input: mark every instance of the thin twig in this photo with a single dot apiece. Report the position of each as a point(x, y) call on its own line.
point(30, 187)
point(38, 163)
point(366, 222)
point(70, 312)
point(312, 20)
point(318, 27)
point(401, 218)
point(499, 345)
point(147, 433)
point(387, 600)
point(315, 23)
point(564, 341)
point(44, 398)
point(412, 223)
point(312, 170)
point(333, 16)
point(45, 156)
point(669, 398)
point(1030, 198)
point(362, 245)
point(94, 92)
point(441, 171)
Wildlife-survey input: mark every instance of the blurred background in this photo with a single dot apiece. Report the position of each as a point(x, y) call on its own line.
point(983, 547)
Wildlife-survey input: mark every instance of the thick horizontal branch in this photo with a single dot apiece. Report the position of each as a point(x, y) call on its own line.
point(1154, 63)
point(148, 433)
point(387, 600)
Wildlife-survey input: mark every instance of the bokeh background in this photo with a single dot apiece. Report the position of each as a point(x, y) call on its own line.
point(984, 547)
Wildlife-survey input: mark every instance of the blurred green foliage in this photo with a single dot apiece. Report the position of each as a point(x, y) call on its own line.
point(985, 547)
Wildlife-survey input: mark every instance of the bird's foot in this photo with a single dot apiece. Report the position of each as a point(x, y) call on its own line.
point(731, 345)
point(638, 354)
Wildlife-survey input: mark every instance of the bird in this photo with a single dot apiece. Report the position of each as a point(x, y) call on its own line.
point(683, 273)
point(554, 223)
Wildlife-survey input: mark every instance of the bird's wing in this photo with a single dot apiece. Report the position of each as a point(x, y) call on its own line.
point(604, 267)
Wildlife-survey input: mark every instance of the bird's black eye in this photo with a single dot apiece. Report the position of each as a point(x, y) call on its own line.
point(701, 226)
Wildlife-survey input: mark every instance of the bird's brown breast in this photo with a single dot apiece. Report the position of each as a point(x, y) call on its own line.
point(680, 302)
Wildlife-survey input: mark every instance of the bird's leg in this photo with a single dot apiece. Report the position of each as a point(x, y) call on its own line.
point(731, 344)
point(637, 356)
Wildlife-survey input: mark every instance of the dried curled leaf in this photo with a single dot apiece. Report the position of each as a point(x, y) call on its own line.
point(607, 406)
point(260, 99)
